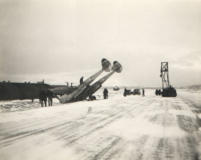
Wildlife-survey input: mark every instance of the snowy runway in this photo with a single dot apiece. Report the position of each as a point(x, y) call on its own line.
point(120, 128)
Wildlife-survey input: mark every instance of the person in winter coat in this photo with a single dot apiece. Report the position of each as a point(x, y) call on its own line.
point(143, 92)
point(81, 80)
point(105, 93)
point(49, 97)
point(43, 98)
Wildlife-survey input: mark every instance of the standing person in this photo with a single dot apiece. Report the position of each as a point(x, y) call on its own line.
point(105, 93)
point(143, 92)
point(49, 97)
point(156, 92)
point(32, 99)
point(43, 98)
point(81, 80)
point(125, 92)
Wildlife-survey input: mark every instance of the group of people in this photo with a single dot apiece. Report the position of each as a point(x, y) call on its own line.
point(158, 92)
point(44, 97)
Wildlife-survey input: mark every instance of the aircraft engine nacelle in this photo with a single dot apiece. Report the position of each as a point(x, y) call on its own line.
point(117, 67)
point(106, 65)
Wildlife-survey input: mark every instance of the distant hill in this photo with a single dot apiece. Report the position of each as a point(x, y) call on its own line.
point(16, 90)
point(194, 87)
point(132, 87)
point(12, 90)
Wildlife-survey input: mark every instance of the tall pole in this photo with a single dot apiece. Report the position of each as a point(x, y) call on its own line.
point(165, 74)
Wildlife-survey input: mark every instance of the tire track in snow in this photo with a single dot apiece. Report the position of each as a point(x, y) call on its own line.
point(169, 147)
point(100, 155)
point(78, 132)
point(25, 129)
point(73, 135)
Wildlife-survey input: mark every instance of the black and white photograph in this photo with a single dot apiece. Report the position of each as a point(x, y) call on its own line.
point(100, 79)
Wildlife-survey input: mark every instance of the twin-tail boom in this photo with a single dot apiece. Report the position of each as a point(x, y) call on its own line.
point(97, 85)
point(81, 88)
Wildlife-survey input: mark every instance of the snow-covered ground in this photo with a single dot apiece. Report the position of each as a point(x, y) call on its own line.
point(120, 128)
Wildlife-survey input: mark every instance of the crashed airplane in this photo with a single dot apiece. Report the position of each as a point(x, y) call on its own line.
point(86, 89)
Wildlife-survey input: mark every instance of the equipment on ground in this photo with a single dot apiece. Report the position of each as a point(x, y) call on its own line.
point(167, 89)
point(128, 92)
point(136, 92)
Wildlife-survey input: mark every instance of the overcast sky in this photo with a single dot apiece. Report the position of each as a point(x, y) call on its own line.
point(62, 40)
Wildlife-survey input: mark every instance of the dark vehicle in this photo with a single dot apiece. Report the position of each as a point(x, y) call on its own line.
point(136, 92)
point(127, 92)
point(169, 92)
